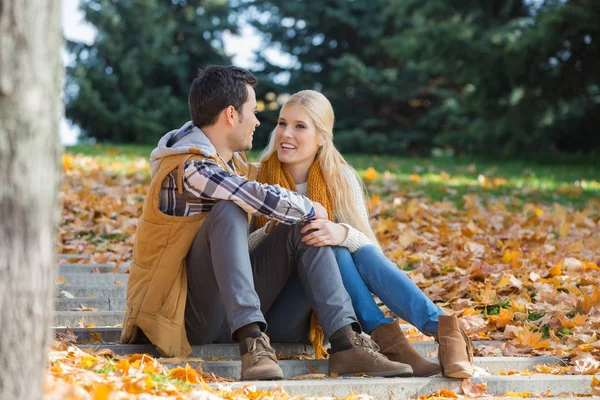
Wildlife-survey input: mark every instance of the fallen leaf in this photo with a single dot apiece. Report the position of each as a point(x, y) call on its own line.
point(473, 390)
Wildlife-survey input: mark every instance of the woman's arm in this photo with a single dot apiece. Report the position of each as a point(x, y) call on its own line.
point(356, 239)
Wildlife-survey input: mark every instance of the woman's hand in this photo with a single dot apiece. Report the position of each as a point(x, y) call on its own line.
point(324, 233)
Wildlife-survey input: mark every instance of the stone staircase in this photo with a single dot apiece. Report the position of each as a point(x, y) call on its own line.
point(91, 300)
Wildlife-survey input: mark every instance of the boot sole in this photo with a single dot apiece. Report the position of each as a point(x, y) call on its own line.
point(460, 374)
point(439, 371)
point(402, 373)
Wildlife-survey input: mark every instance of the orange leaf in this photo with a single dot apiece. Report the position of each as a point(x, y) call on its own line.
point(472, 390)
point(590, 301)
point(444, 393)
point(371, 174)
point(557, 270)
point(187, 374)
point(102, 391)
point(595, 386)
point(504, 318)
point(123, 366)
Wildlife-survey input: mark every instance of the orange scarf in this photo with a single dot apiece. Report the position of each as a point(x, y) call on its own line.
point(274, 173)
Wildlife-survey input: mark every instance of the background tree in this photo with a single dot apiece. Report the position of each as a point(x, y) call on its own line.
point(30, 83)
point(132, 83)
point(523, 75)
point(339, 49)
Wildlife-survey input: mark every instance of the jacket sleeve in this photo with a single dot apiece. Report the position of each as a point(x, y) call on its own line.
point(206, 179)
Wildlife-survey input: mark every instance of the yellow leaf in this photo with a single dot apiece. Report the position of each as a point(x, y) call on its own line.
point(67, 161)
point(415, 177)
point(509, 256)
point(564, 228)
point(88, 361)
point(371, 174)
point(539, 212)
point(504, 318)
point(557, 270)
point(521, 395)
point(61, 281)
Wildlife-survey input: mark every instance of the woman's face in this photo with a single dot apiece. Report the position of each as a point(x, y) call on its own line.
point(296, 138)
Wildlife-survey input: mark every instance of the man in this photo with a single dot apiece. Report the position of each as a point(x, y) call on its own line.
point(192, 276)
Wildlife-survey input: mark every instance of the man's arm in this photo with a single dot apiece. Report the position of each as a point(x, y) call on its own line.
point(207, 179)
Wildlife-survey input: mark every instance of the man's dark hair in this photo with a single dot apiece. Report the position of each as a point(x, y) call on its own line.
point(218, 87)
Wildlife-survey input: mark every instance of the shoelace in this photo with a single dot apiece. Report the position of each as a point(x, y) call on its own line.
point(265, 350)
point(370, 345)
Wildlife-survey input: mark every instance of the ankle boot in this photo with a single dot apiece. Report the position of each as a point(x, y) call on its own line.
point(260, 363)
point(396, 347)
point(456, 350)
point(362, 356)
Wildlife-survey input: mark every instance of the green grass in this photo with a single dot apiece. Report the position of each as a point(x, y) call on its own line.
point(565, 180)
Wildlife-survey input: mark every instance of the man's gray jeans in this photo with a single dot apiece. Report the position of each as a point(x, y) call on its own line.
point(228, 287)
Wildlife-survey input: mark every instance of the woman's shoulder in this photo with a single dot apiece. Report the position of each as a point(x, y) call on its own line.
point(350, 173)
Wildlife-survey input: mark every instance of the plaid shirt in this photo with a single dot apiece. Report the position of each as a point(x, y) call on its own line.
point(205, 182)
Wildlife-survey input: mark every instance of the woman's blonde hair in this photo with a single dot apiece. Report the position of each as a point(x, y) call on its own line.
point(331, 161)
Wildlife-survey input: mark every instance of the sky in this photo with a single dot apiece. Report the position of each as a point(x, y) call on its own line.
point(240, 47)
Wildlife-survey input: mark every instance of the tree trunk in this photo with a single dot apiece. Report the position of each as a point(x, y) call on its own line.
point(31, 75)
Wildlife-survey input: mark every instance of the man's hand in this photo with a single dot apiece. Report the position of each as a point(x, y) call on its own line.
point(325, 233)
point(320, 211)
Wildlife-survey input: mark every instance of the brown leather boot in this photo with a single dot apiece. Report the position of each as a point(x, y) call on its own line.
point(260, 362)
point(456, 350)
point(396, 347)
point(363, 356)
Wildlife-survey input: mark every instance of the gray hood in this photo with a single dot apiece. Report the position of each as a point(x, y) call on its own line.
point(193, 138)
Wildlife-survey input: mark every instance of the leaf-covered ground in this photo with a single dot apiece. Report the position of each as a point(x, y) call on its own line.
point(512, 248)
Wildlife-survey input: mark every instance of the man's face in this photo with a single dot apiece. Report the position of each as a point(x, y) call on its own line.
point(246, 123)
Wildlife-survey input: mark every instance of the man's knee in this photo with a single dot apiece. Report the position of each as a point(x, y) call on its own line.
point(292, 232)
point(227, 210)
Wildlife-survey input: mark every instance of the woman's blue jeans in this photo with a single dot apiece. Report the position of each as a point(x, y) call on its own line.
point(368, 271)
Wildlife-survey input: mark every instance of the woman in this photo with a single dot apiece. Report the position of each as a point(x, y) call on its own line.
point(301, 156)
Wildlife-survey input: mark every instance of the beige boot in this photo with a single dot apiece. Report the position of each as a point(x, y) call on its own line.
point(456, 350)
point(260, 362)
point(395, 346)
point(364, 357)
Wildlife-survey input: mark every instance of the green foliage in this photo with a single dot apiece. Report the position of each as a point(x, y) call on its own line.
point(340, 51)
point(131, 84)
point(518, 77)
point(491, 77)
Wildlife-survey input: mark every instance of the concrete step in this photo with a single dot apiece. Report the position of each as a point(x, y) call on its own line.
point(68, 268)
point(83, 335)
point(90, 279)
point(73, 256)
point(401, 388)
point(102, 304)
point(230, 350)
point(99, 318)
point(98, 291)
point(292, 368)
